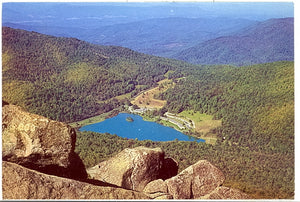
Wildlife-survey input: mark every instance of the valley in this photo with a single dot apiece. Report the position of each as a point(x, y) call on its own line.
point(228, 79)
point(192, 123)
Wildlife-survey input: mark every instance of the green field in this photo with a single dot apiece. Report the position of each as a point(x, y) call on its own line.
point(94, 119)
point(204, 124)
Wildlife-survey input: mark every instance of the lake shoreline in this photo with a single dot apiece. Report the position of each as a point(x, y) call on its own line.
point(102, 117)
point(139, 128)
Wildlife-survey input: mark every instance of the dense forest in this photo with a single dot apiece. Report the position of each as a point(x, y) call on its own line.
point(67, 79)
point(255, 147)
point(258, 174)
point(255, 103)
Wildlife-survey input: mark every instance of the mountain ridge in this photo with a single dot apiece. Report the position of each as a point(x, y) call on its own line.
point(52, 75)
point(268, 41)
point(157, 36)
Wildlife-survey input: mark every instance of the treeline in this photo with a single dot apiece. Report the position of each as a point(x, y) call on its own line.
point(67, 79)
point(253, 172)
point(255, 103)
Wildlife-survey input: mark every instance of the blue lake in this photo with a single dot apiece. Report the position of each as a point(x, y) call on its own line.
point(140, 129)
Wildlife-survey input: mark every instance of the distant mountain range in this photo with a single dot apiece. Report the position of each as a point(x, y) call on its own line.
point(268, 41)
point(198, 41)
point(160, 36)
point(164, 36)
point(208, 33)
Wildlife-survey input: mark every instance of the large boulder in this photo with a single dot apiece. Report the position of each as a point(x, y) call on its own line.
point(22, 183)
point(39, 143)
point(131, 168)
point(226, 193)
point(157, 189)
point(195, 181)
point(156, 186)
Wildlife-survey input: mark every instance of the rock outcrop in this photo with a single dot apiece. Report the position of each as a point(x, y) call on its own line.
point(39, 143)
point(199, 181)
point(131, 168)
point(225, 193)
point(22, 183)
point(142, 169)
point(157, 189)
point(195, 181)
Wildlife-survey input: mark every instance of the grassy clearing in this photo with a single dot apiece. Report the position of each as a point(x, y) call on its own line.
point(140, 86)
point(94, 119)
point(88, 121)
point(146, 99)
point(169, 72)
point(122, 97)
point(171, 125)
point(203, 124)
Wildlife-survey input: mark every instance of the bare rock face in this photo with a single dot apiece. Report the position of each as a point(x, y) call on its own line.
point(131, 168)
point(195, 181)
point(39, 143)
point(226, 193)
point(22, 183)
point(156, 186)
point(157, 189)
point(163, 197)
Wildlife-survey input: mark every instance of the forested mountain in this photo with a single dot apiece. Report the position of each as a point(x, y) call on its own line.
point(255, 147)
point(268, 41)
point(255, 103)
point(159, 36)
point(67, 79)
point(54, 30)
point(157, 28)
